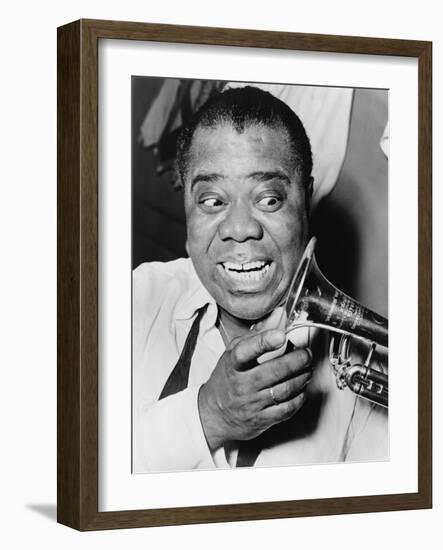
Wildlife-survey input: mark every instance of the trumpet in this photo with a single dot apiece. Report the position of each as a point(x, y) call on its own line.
point(313, 301)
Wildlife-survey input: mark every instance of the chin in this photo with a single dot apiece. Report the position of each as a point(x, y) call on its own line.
point(249, 312)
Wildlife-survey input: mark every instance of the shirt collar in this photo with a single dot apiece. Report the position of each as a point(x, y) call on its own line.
point(195, 297)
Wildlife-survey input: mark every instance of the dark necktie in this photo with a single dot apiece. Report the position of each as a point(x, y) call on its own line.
point(178, 379)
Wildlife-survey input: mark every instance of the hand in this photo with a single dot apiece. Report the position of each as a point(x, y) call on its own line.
point(236, 402)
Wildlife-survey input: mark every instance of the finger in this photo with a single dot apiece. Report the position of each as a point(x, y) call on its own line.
point(283, 411)
point(285, 390)
point(277, 370)
point(234, 342)
point(246, 351)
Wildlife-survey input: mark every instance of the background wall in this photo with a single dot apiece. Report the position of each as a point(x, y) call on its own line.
point(28, 272)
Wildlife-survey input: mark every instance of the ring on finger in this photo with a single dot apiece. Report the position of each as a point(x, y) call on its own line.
point(274, 400)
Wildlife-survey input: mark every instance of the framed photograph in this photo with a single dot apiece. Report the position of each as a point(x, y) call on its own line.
point(244, 275)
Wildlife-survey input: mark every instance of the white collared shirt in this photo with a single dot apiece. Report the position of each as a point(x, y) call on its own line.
point(332, 426)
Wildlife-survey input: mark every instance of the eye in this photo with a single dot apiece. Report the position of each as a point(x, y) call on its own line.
point(269, 203)
point(211, 204)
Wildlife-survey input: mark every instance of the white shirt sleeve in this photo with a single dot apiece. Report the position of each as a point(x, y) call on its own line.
point(169, 436)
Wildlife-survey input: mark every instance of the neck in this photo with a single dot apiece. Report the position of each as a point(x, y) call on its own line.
point(232, 327)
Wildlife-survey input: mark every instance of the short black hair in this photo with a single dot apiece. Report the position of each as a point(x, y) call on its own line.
point(243, 107)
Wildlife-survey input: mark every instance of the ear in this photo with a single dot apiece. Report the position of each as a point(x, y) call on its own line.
point(309, 192)
point(187, 247)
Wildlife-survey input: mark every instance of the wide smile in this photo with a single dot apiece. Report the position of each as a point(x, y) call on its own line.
point(248, 276)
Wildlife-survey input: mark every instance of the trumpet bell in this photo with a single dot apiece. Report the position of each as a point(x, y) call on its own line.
point(314, 301)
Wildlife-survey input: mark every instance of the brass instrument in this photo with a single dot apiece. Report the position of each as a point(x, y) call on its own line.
point(315, 302)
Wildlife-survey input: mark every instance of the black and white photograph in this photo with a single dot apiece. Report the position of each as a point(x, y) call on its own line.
point(259, 274)
point(220, 286)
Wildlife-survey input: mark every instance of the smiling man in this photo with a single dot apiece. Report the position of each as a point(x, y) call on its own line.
point(215, 382)
point(245, 201)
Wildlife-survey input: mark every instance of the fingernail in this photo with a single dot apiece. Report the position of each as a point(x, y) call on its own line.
point(277, 338)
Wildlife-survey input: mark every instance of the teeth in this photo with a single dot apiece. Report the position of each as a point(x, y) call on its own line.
point(247, 276)
point(244, 267)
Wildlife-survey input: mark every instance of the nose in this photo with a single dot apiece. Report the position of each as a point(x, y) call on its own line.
point(239, 224)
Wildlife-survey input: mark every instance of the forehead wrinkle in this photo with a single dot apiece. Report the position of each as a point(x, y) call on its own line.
point(202, 150)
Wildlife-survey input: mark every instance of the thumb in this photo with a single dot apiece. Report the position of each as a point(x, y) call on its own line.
point(277, 319)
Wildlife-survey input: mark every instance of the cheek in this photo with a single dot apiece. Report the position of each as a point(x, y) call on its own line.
point(289, 232)
point(290, 239)
point(198, 235)
point(193, 225)
point(201, 229)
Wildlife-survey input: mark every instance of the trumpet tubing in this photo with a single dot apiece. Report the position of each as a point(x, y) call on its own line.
point(314, 301)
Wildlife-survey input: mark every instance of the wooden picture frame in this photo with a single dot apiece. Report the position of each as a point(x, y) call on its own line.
point(77, 455)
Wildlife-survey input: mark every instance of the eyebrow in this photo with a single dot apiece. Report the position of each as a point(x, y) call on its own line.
point(206, 178)
point(260, 176)
point(269, 175)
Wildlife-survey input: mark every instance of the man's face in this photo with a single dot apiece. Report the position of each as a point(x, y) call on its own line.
point(246, 216)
